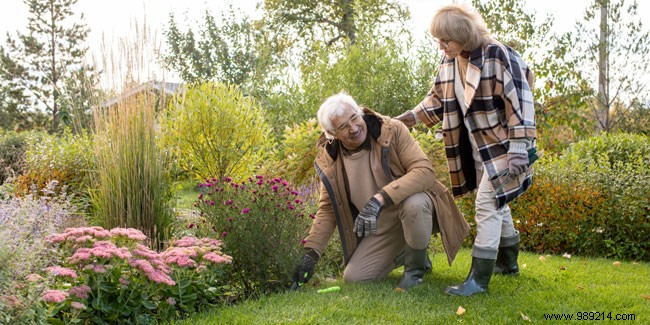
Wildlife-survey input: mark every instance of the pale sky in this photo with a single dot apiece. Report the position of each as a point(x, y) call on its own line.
point(114, 20)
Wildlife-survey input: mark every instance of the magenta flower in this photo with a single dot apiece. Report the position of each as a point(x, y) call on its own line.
point(228, 179)
point(275, 188)
point(229, 202)
point(223, 234)
point(229, 219)
point(245, 210)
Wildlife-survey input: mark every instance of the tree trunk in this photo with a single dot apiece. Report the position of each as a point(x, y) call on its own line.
point(603, 69)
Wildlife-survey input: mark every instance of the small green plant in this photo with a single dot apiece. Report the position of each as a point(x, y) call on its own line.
point(111, 277)
point(262, 223)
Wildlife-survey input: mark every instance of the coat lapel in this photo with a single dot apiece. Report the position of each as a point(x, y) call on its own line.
point(473, 77)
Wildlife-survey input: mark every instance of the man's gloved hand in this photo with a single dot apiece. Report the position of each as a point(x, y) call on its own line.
point(517, 164)
point(366, 222)
point(305, 269)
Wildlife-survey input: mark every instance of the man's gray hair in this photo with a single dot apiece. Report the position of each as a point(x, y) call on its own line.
point(333, 107)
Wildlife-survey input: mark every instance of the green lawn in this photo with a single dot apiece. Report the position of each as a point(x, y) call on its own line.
point(548, 285)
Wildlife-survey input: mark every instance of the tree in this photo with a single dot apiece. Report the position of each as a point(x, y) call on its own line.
point(559, 103)
point(230, 49)
point(604, 60)
point(332, 21)
point(39, 63)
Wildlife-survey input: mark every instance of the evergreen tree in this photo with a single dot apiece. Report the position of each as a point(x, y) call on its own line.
point(38, 64)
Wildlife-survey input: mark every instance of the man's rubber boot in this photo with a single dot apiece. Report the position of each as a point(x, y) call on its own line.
point(415, 265)
point(506, 263)
point(477, 280)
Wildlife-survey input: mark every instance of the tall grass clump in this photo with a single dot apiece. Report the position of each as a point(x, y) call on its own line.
point(131, 189)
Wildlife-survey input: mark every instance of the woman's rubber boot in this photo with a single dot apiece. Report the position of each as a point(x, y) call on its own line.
point(506, 263)
point(477, 280)
point(415, 265)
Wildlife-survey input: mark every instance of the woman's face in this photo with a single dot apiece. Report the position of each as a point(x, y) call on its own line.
point(451, 48)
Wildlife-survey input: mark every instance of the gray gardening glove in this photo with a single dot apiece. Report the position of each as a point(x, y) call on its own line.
point(517, 158)
point(366, 222)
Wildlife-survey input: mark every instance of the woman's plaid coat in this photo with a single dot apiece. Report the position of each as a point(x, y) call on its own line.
point(500, 107)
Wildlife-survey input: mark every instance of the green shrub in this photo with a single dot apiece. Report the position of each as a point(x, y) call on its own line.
point(593, 200)
point(261, 223)
point(435, 150)
point(130, 187)
point(215, 131)
point(12, 154)
point(67, 159)
point(294, 160)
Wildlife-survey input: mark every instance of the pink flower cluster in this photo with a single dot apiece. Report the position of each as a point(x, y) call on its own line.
point(191, 252)
point(80, 291)
point(62, 271)
point(102, 249)
point(81, 234)
point(54, 296)
point(156, 273)
point(129, 233)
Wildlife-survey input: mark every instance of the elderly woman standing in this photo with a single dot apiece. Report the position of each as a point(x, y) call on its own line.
point(483, 97)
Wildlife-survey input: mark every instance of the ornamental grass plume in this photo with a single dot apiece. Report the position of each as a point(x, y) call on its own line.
point(261, 222)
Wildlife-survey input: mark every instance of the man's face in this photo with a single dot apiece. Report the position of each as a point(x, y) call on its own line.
point(350, 128)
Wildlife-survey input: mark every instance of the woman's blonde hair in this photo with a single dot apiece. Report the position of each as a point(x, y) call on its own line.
point(461, 24)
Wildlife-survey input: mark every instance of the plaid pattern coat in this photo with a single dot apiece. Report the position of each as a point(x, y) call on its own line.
point(499, 101)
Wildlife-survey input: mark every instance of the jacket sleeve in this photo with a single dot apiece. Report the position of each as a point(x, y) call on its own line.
point(430, 110)
point(408, 159)
point(517, 94)
point(324, 223)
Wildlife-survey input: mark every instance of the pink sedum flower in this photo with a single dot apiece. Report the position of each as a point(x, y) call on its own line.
point(62, 271)
point(80, 291)
point(54, 296)
point(78, 305)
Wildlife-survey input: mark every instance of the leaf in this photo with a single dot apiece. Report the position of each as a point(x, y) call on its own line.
point(542, 258)
point(646, 297)
point(148, 304)
point(617, 263)
point(524, 317)
point(460, 311)
point(566, 255)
